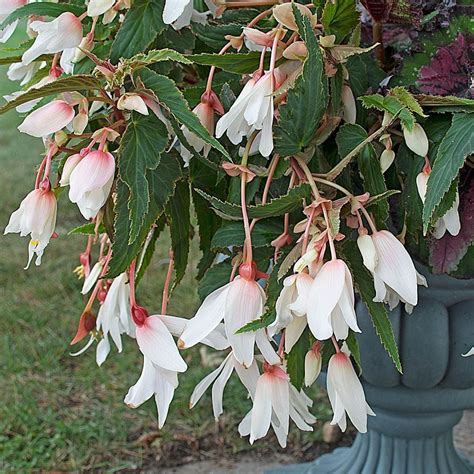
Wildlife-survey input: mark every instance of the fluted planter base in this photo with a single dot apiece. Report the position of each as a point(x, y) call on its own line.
point(407, 445)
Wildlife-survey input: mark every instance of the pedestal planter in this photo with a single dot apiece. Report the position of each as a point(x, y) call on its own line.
point(416, 411)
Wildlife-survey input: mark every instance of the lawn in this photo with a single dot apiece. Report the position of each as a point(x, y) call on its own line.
point(64, 413)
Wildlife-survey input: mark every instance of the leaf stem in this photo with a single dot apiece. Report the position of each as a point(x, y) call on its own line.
point(164, 301)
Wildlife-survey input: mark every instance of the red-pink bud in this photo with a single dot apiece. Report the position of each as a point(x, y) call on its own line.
point(248, 271)
point(139, 315)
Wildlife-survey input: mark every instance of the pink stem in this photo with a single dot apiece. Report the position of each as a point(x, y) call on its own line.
point(164, 301)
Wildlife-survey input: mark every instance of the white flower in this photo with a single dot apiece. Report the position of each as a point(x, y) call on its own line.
point(62, 33)
point(156, 343)
point(349, 105)
point(238, 303)
point(157, 381)
point(395, 276)
point(90, 182)
point(180, 13)
point(48, 119)
point(35, 216)
point(448, 222)
point(469, 353)
point(291, 308)
point(346, 394)
point(68, 168)
point(130, 101)
point(7, 7)
point(99, 7)
point(92, 278)
point(20, 72)
point(275, 401)
point(416, 140)
point(252, 110)
point(330, 303)
point(386, 159)
point(114, 317)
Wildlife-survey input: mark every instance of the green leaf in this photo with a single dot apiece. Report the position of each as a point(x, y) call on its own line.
point(232, 233)
point(348, 138)
point(353, 346)
point(306, 101)
point(295, 360)
point(408, 100)
point(214, 35)
point(140, 150)
point(88, 229)
point(379, 197)
point(217, 276)
point(238, 63)
point(457, 144)
point(171, 97)
point(17, 59)
point(340, 17)
point(391, 105)
point(161, 183)
point(143, 22)
point(447, 103)
point(156, 56)
point(41, 9)
point(149, 247)
point(275, 207)
point(178, 216)
point(365, 286)
point(68, 84)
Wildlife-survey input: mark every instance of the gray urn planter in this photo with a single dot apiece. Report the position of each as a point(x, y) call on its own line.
point(416, 411)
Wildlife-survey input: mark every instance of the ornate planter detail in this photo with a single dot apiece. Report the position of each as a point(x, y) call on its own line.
point(417, 410)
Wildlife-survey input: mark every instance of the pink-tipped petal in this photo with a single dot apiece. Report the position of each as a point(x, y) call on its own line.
point(48, 119)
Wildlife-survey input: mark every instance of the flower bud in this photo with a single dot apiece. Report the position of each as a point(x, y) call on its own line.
point(327, 41)
point(60, 138)
point(349, 104)
point(312, 364)
point(284, 15)
point(79, 123)
point(386, 159)
point(139, 315)
point(130, 101)
point(416, 140)
point(92, 278)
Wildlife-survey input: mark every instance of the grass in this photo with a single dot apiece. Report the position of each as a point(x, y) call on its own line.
point(64, 413)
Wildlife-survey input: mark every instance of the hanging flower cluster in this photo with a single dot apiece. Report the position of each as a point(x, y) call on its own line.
point(121, 137)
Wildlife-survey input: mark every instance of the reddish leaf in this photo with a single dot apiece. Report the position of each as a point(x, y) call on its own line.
point(448, 71)
point(393, 11)
point(447, 252)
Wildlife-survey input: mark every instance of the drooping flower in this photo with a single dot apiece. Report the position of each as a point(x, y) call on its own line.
point(157, 381)
point(48, 119)
point(99, 7)
point(35, 216)
point(238, 303)
point(114, 317)
point(209, 104)
point(7, 7)
point(395, 276)
point(90, 182)
point(71, 162)
point(91, 279)
point(346, 394)
point(180, 13)
point(64, 32)
point(450, 220)
point(275, 401)
point(252, 110)
point(330, 305)
point(131, 101)
point(20, 72)
point(156, 342)
point(291, 307)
